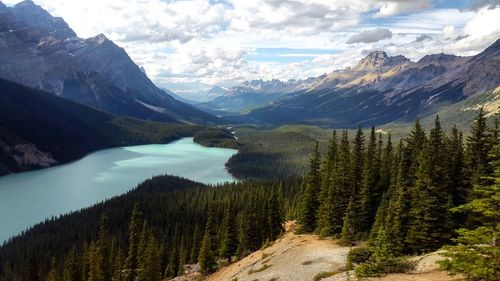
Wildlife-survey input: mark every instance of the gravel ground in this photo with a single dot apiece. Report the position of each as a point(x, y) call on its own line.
point(292, 258)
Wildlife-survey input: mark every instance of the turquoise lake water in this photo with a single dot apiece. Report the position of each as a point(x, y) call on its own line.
point(30, 197)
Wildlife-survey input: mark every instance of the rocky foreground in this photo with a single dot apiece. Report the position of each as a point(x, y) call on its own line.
point(302, 257)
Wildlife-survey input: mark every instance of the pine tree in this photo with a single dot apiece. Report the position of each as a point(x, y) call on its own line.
point(386, 168)
point(143, 244)
point(151, 269)
point(71, 271)
point(310, 198)
point(242, 235)
point(396, 220)
point(104, 248)
point(342, 184)
point(134, 240)
point(206, 259)
point(195, 250)
point(476, 253)
point(325, 210)
point(382, 260)
point(183, 256)
point(173, 263)
point(348, 232)
point(460, 188)
point(96, 272)
point(369, 192)
point(230, 234)
point(416, 142)
point(429, 223)
point(275, 217)
point(53, 275)
point(478, 148)
point(118, 274)
point(358, 151)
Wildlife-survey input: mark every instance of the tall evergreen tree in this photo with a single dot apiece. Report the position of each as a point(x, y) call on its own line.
point(104, 246)
point(72, 266)
point(369, 192)
point(476, 253)
point(151, 266)
point(342, 184)
point(459, 185)
point(195, 250)
point(478, 148)
point(135, 228)
point(230, 234)
point(348, 231)
point(118, 274)
point(53, 275)
point(310, 197)
point(173, 263)
point(206, 259)
point(325, 211)
point(429, 224)
point(358, 156)
point(275, 217)
point(96, 272)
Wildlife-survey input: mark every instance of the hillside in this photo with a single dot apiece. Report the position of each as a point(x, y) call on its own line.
point(301, 257)
point(39, 130)
point(42, 51)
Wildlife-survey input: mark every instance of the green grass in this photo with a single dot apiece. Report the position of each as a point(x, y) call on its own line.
point(324, 274)
point(260, 269)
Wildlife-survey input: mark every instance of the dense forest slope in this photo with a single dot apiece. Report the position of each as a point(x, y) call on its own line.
point(238, 218)
point(42, 51)
point(38, 129)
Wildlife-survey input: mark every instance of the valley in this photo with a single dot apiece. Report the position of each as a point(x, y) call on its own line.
point(28, 198)
point(249, 140)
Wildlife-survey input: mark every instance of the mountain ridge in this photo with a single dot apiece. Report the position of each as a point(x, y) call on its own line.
point(380, 90)
point(43, 52)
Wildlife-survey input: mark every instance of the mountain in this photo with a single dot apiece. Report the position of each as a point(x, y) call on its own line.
point(41, 51)
point(382, 89)
point(251, 94)
point(38, 129)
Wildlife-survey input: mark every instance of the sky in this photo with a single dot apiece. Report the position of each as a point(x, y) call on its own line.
point(190, 45)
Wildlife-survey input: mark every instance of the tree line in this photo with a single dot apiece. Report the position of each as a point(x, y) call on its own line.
point(404, 198)
point(151, 232)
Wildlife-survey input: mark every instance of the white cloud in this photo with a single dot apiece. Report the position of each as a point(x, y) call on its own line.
point(394, 7)
point(193, 43)
point(370, 36)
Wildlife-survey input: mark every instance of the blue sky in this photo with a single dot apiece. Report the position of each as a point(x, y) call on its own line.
point(188, 46)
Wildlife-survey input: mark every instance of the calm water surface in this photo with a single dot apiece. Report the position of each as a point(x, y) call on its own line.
point(30, 197)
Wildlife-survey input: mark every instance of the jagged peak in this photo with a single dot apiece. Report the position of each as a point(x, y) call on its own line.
point(377, 59)
point(26, 3)
point(493, 48)
point(441, 57)
point(100, 38)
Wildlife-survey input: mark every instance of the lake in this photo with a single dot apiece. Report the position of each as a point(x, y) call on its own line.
point(30, 197)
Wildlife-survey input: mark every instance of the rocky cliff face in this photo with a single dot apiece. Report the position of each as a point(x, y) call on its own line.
point(43, 52)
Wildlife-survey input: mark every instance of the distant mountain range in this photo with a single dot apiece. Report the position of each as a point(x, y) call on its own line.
point(42, 51)
point(251, 94)
point(378, 90)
